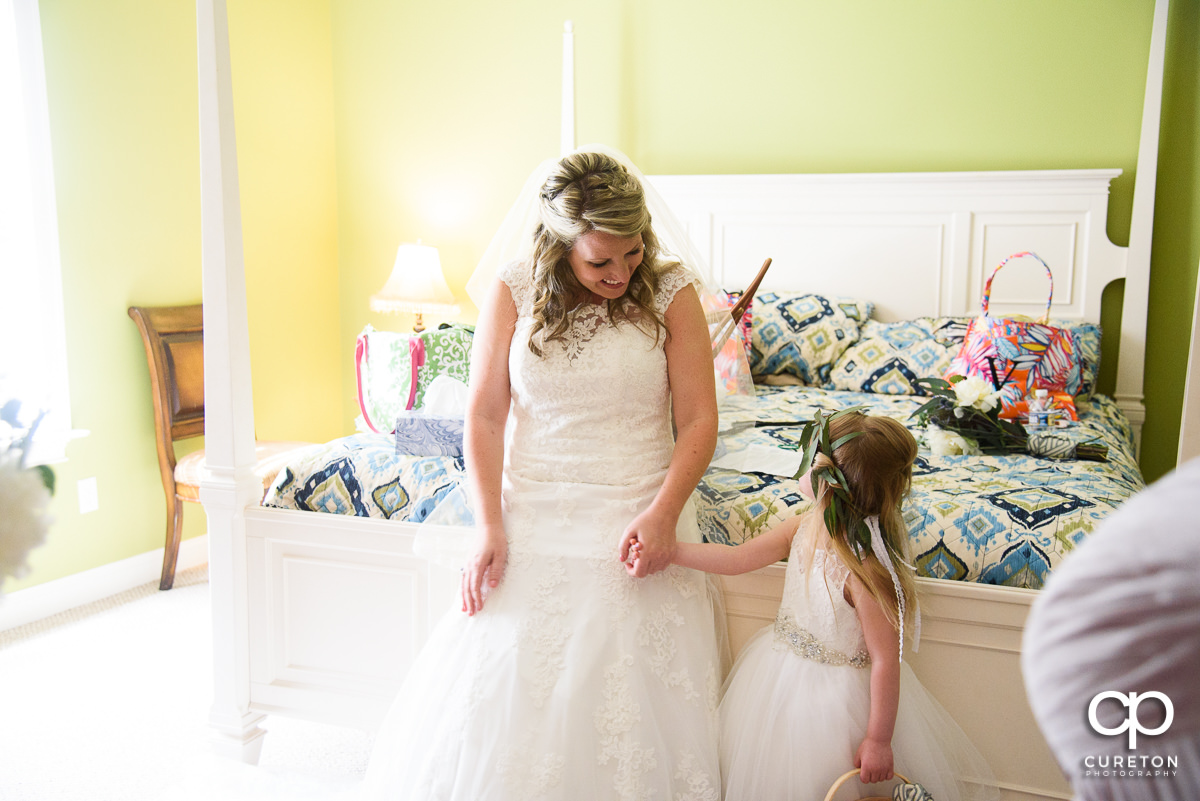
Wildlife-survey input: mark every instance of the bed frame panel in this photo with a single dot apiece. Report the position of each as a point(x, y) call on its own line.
point(915, 243)
point(319, 616)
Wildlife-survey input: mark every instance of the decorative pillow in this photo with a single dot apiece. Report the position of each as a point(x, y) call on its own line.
point(803, 334)
point(888, 358)
point(1087, 349)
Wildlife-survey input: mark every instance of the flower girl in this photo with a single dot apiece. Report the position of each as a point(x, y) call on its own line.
point(826, 689)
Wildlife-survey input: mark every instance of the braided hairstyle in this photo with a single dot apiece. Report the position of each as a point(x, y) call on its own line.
point(588, 192)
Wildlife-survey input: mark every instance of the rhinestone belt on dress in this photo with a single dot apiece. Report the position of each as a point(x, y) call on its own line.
point(804, 644)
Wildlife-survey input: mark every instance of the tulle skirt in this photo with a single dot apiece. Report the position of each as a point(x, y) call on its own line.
point(574, 681)
point(789, 727)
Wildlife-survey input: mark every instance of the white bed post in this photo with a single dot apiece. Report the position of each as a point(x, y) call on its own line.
point(1132, 368)
point(567, 138)
point(229, 485)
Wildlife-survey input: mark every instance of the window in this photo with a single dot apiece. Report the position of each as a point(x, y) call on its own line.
point(33, 353)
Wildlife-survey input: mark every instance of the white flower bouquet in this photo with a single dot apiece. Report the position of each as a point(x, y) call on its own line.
point(963, 418)
point(24, 493)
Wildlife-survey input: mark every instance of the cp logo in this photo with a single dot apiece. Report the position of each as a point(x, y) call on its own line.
point(1131, 723)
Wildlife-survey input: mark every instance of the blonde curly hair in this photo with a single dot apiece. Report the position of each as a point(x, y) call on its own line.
point(588, 192)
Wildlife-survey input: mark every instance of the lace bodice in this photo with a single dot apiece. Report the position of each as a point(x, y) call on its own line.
point(814, 619)
point(595, 408)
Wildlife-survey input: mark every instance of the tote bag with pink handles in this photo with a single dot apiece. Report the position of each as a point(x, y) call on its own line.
point(1017, 355)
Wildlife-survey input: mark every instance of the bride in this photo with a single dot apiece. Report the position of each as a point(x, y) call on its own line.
point(572, 671)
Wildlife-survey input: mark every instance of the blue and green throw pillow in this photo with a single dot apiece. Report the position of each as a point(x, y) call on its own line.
point(1087, 348)
point(803, 334)
point(888, 358)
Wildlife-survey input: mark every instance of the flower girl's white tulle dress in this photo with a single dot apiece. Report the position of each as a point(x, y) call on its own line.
point(575, 681)
point(796, 704)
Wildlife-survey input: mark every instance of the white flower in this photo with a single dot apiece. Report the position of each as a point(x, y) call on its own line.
point(974, 391)
point(24, 518)
point(947, 443)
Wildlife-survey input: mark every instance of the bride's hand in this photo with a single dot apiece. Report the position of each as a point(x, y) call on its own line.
point(486, 563)
point(655, 534)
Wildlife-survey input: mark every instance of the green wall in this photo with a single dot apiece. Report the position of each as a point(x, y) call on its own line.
point(121, 80)
point(443, 108)
point(366, 123)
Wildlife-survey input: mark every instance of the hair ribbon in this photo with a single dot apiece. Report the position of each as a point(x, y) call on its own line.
point(881, 553)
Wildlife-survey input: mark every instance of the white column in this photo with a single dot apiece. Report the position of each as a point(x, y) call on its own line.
point(1132, 368)
point(229, 485)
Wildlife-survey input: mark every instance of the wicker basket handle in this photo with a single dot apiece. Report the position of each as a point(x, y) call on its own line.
point(848, 775)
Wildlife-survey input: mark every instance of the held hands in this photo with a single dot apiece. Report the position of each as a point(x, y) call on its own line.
point(484, 569)
point(874, 761)
point(648, 544)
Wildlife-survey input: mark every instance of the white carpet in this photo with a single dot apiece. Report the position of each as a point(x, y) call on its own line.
point(110, 703)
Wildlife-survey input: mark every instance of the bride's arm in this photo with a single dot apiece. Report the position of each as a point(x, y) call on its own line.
point(483, 442)
point(694, 405)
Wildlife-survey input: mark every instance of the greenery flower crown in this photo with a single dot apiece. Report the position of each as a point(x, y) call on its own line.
point(814, 439)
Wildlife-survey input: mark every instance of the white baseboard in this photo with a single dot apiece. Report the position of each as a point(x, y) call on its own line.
point(43, 600)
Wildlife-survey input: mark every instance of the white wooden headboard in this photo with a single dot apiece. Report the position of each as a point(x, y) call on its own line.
point(920, 244)
point(914, 243)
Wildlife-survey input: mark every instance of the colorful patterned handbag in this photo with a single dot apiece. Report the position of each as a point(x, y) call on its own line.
point(1019, 355)
point(393, 370)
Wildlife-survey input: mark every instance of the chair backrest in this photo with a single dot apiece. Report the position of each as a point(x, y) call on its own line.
point(174, 340)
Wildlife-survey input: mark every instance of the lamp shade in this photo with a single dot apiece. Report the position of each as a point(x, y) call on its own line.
point(416, 284)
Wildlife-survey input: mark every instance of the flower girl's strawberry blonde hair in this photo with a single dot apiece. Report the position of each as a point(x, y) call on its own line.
point(876, 459)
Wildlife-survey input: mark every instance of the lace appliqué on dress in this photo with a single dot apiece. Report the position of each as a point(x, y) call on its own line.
point(656, 632)
point(528, 775)
point(670, 284)
point(586, 322)
point(615, 721)
point(588, 319)
point(518, 278)
point(688, 583)
point(544, 633)
point(699, 784)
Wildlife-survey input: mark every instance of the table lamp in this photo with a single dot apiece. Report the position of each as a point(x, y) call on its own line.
point(416, 285)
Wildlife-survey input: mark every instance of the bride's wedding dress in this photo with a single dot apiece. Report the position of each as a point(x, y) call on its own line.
point(575, 680)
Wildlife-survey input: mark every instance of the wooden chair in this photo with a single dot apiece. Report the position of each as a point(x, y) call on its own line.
point(174, 340)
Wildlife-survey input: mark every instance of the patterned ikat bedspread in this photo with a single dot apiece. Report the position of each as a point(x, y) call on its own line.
point(990, 519)
point(362, 475)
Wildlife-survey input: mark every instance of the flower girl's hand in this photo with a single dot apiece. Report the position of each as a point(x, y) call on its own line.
point(635, 553)
point(874, 761)
point(485, 563)
point(655, 533)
